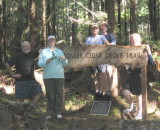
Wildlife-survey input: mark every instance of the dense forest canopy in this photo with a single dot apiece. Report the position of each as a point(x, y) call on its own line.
point(70, 20)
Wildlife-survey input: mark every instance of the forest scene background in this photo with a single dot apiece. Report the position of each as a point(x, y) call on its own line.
point(69, 21)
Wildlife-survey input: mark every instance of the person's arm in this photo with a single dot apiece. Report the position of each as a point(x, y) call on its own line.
point(150, 58)
point(9, 69)
point(105, 41)
point(113, 39)
point(87, 42)
point(63, 60)
point(42, 61)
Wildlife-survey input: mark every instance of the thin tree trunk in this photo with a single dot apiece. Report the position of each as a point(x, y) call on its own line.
point(158, 17)
point(102, 5)
point(96, 5)
point(119, 22)
point(153, 20)
point(125, 27)
point(89, 14)
point(33, 26)
point(110, 9)
point(133, 18)
point(54, 16)
point(74, 25)
point(19, 26)
point(44, 21)
point(3, 34)
point(48, 14)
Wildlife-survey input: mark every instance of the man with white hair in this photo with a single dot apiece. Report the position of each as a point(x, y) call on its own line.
point(26, 87)
point(133, 84)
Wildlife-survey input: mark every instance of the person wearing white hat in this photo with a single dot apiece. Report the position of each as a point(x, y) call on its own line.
point(53, 61)
point(100, 70)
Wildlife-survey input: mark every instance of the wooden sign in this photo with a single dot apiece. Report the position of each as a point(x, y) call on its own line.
point(84, 55)
point(135, 56)
point(100, 108)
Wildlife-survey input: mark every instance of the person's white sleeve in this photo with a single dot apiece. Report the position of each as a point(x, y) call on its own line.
point(42, 61)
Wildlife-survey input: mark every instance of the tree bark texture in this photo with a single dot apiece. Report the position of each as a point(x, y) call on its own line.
point(110, 9)
point(133, 18)
point(33, 25)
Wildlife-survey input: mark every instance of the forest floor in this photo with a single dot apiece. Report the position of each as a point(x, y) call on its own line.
point(78, 104)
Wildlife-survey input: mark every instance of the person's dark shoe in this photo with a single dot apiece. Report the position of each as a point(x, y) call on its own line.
point(106, 97)
point(109, 94)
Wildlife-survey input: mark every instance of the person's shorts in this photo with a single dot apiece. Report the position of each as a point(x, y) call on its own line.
point(134, 85)
point(100, 68)
point(27, 89)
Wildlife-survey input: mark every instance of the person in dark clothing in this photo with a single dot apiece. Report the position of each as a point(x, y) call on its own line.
point(26, 87)
point(133, 82)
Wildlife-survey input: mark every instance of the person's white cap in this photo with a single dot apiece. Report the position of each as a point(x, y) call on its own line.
point(51, 37)
point(95, 26)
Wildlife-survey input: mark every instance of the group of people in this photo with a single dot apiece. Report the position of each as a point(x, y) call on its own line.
point(53, 61)
point(102, 73)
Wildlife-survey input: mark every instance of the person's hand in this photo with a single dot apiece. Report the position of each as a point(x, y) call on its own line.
point(148, 50)
point(49, 60)
point(16, 75)
point(83, 44)
point(107, 42)
point(127, 66)
point(62, 57)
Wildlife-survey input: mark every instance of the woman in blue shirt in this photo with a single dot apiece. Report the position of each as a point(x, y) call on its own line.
point(100, 76)
point(53, 61)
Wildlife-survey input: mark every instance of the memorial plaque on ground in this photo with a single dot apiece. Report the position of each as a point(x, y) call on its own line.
point(100, 107)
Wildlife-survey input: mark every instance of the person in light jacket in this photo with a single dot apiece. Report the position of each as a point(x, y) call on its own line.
point(53, 61)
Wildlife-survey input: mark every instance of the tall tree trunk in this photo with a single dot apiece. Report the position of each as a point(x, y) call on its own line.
point(153, 20)
point(19, 26)
point(110, 9)
point(74, 25)
point(158, 20)
point(54, 16)
point(125, 27)
point(44, 21)
point(33, 25)
point(3, 33)
point(89, 14)
point(102, 5)
point(96, 5)
point(119, 22)
point(48, 14)
point(133, 19)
